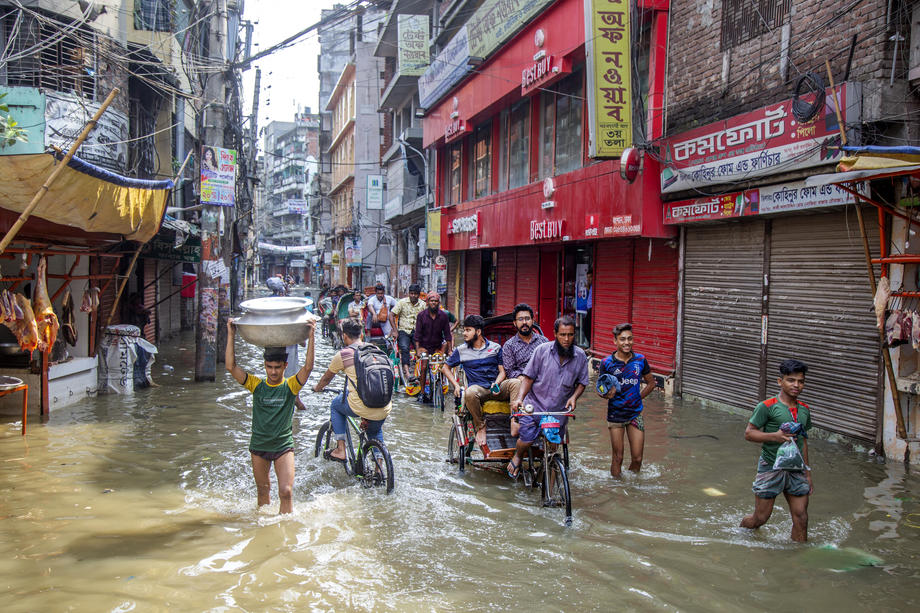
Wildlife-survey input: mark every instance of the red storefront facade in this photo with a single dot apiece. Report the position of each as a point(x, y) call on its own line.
point(531, 212)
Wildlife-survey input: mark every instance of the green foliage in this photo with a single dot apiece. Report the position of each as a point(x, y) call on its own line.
point(10, 132)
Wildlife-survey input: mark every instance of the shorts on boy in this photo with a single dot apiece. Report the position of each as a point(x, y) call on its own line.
point(636, 422)
point(770, 483)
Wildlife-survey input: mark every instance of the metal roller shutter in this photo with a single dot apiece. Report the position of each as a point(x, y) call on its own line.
point(612, 291)
point(472, 283)
point(820, 312)
point(504, 281)
point(527, 277)
point(723, 288)
point(654, 306)
point(454, 260)
point(150, 299)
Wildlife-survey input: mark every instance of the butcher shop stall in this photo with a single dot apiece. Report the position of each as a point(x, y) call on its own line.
point(71, 236)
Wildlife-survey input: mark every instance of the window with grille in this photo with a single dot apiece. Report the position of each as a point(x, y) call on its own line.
point(743, 20)
point(155, 15)
point(40, 56)
point(482, 161)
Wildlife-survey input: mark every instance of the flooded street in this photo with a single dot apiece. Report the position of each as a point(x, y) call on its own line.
point(147, 503)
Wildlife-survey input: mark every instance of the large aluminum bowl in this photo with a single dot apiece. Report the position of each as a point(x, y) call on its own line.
point(275, 321)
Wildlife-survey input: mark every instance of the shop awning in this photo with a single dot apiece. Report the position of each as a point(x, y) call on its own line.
point(85, 204)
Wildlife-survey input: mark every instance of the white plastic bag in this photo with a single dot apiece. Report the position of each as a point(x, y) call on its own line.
point(788, 457)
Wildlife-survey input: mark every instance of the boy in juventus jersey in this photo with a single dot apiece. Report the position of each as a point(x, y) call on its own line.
point(624, 405)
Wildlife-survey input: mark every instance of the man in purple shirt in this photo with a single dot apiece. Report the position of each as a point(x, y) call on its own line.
point(554, 379)
point(517, 350)
point(432, 327)
point(432, 333)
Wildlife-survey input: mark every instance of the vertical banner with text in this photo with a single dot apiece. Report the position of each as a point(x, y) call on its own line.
point(218, 176)
point(609, 93)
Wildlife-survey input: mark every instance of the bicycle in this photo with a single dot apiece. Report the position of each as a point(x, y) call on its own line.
point(428, 369)
point(410, 387)
point(371, 464)
point(546, 464)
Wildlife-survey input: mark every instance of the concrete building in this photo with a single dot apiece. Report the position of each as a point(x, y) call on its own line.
point(404, 46)
point(290, 161)
point(349, 40)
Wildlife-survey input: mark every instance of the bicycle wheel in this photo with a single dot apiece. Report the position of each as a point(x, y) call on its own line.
point(455, 450)
point(375, 465)
point(437, 392)
point(556, 488)
point(323, 439)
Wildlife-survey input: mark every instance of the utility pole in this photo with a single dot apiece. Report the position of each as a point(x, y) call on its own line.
point(212, 118)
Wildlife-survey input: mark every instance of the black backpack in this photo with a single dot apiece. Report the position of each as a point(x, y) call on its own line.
point(374, 376)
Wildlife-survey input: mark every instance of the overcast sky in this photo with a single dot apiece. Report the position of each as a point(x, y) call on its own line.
point(291, 72)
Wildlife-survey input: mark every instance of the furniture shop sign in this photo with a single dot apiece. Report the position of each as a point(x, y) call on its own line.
point(763, 142)
point(412, 44)
point(784, 197)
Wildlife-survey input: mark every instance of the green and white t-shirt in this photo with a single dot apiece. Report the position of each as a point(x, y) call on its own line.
point(272, 413)
point(770, 415)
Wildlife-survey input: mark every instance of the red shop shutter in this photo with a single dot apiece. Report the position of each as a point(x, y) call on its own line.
point(528, 274)
point(654, 307)
point(504, 281)
point(150, 299)
point(472, 283)
point(612, 295)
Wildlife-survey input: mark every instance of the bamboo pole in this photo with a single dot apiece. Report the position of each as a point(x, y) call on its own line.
point(889, 368)
point(830, 78)
point(124, 282)
point(24, 216)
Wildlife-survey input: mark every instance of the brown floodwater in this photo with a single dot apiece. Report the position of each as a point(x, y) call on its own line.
point(147, 503)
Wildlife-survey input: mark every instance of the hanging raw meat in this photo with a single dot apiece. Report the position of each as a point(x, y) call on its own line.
point(90, 300)
point(6, 306)
point(45, 319)
point(882, 293)
point(24, 328)
point(906, 321)
point(915, 330)
point(893, 329)
point(68, 329)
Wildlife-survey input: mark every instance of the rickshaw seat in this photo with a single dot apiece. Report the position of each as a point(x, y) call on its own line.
point(494, 407)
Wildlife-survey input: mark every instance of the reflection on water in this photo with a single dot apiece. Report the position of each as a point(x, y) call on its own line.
point(148, 503)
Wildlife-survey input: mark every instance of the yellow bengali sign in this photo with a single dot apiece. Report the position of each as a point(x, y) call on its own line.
point(434, 229)
point(609, 86)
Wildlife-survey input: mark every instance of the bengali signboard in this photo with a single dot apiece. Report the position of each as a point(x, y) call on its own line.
point(495, 21)
point(433, 234)
point(218, 176)
point(297, 206)
point(445, 70)
point(106, 145)
point(794, 196)
point(763, 142)
point(412, 44)
point(609, 93)
point(161, 248)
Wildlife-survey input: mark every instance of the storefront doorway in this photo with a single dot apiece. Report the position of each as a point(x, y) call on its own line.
point(549, 289)
point(579, 262)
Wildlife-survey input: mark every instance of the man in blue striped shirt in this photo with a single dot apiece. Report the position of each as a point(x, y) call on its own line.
point(482, 362)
